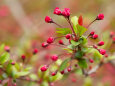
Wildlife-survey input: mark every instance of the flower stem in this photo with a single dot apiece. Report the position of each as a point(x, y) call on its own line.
point(57, 24)
point(68, 19)
point(91, 23)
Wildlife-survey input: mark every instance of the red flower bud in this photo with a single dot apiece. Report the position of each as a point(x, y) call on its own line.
point(106, 55)
point(35, 51)
point(102, 51)
point(13, 63)
point(113, 39)
point(0, 81)
point(69, 69)
point(95, 46)
point(61, 42)
point(66, 12)
point(57, 11)
point(70, 41)
point(23, 57)
point(100, 43)
point(54, 58)
point(74, 80)
point(44, 68)
point(68, 36)
point(76, 65)
point(48, 19)
point(50, 40)
point(100, 17)
point(90, 67)
point(80, 20)
point(62, 72)
point(95, 36)
point(45, 44)
point(7, 48)
point(14, 84)
point(54, 73)
point(91, 60)
point(112, 33)
point(92, 33)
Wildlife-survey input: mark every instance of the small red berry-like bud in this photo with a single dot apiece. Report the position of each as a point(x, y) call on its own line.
point(69, 69)
point(100, 17)
point(35, 51)
point(114, 39)
point(54, 58)
point(90, 67)
point(51, 84)
point(74, 80)
point(23, 57)
point(62, 72)
point(14, 84)
point(54, 73)
point(0, 81)
point(80, 20)
point(106, 55)
point(68, 36)
point(112, 34)
point(92, 33)
point(61, 42)
point(57, 11)
point(102, 51)
point(70, 41)
point(13, 63)
point(50, 40)
point(76, 65)
point(66, 12)
point(95, 36)
point(95, 46)
point(91, 60)
point(44, 68)
point(47, 57)
point(7, 48)
point(45, 44)
point(48, 19)
point(100, 43)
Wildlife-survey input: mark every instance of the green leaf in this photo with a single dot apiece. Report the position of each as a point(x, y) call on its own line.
point(74, 43)
point(97, 56)
point(64, 64)
point(22, 73)
point(81, 30)
point(82, 63)
point(70, 46)
point(74, 20)
point(57, 77)
point(63, 31)
point(28, 69)
point(69, 50)
point(83, 40)
point(79, 71)
point(4, 58)
point(2, 47)
point(79, 54)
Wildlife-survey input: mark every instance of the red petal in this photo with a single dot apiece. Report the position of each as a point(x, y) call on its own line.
point(80, 20)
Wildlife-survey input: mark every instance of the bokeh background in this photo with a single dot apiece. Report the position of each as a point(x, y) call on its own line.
point(22, 27)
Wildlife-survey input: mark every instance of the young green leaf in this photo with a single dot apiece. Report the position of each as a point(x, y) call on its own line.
point(2, 48)
point(64, 64)
point(4, 58)
point(79, 54)
point(81, 30)
point(74, 20)
point(74, 43)
point(63, 31)
point(82, 63)
point(22, 73)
